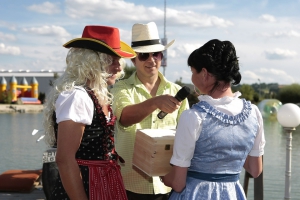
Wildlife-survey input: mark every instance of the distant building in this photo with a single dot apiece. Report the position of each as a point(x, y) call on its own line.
point(43, 77)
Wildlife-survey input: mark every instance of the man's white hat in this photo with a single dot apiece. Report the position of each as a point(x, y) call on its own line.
point(145, 38)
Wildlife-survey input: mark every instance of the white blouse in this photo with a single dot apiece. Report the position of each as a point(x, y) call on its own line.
point(190, 126)
point(75, 105)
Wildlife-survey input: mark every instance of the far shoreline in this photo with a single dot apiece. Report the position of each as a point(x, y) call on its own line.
point(21, 108)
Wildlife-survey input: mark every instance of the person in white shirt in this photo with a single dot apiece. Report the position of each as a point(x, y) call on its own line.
point(79, 120)
point(219, 135)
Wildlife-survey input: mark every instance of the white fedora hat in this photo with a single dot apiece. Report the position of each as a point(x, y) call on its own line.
point(145, 38)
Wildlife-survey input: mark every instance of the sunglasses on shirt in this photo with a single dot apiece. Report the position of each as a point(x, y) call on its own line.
point(156, 55)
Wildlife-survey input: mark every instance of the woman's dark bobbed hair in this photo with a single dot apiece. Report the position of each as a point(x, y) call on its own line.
point(219, 58)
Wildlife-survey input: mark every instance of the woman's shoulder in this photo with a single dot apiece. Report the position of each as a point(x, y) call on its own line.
point(76, 94)
point(75, 91)
point(191, 114)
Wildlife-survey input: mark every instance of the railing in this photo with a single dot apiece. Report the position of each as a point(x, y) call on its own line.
point(258, 185)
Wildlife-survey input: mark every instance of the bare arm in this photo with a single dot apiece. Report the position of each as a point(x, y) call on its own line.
point(133, 114)
point(176, 178)
point(68, 142)
point(253, 165)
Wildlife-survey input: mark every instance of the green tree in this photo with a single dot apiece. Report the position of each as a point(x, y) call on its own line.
point(247, 92)
point(289, 94)
point(129, 70)
point(255, 98)
point(193, 96)
point(6, 97)
point(179, 82)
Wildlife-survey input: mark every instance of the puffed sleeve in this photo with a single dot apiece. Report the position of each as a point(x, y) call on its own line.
point(187, 133)
point(75, 105)
point(259, 143)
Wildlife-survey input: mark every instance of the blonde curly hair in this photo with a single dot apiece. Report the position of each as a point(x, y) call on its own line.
point(84, 68)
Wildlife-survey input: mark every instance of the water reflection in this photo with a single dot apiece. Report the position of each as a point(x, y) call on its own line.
point(274, 163)
point(18, 148)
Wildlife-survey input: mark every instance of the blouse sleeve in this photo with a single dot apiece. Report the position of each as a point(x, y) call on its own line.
point(259, 143)
point(75, 105)
point(187, 133)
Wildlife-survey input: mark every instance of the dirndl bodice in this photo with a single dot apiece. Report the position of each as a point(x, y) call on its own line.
point(222, 147)
point(97, 144)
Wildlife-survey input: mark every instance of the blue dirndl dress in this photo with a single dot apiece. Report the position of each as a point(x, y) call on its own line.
point(220, 152)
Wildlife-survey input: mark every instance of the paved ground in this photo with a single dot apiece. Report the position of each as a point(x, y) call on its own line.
point(36, 194)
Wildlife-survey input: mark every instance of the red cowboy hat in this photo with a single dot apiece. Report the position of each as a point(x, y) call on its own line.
point(104, 39)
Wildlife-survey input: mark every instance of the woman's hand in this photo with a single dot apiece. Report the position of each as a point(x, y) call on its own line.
point(253, 165)
point(176, 178)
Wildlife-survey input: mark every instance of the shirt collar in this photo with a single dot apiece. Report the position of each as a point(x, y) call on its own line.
point(134, 80)
point(223, 100)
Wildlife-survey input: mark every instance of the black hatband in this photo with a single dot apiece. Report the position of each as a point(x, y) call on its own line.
point(144, 43)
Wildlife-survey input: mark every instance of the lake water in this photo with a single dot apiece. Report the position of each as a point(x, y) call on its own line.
point(19, 150)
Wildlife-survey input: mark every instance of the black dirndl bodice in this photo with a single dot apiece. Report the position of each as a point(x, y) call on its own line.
point(97, 144)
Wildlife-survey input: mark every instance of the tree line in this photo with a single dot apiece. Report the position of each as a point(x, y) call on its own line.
point(253, 92)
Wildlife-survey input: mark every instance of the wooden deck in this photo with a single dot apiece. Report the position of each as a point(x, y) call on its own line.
point(36, 194)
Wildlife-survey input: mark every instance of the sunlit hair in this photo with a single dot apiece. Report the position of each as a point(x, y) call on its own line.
point(84, 68)
point(121, 74)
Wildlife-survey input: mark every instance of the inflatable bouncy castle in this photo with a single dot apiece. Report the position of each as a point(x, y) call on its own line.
point(20, 93)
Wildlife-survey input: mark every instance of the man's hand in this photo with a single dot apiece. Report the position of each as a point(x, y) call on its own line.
point(167, 103)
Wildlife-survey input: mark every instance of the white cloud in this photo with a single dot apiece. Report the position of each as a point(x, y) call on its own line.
point(274, 75)
point(198, 7)
point(7, 25)
point(45, 8)
point(188, 48)
point(183, 74)
point(291, 33)
point(182, 51)
point(190, 24)
point(113, 10)
point(9, 50)
point(5, 37)
point(190, 18)
point(268, 18)
point(279, 54)
point(249, 76)
point(48, 31)
point(105, 9)
point(287, 34)
point(266, 75)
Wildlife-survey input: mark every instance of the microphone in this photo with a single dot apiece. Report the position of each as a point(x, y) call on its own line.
point(180, 96)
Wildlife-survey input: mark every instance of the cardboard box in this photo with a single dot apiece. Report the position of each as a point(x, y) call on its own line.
point(153, 149)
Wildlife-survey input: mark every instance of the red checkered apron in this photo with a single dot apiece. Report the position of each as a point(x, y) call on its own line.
point(105, 180)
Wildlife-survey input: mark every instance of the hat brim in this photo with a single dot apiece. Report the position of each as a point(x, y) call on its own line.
point(87, 43)
point(152, 48)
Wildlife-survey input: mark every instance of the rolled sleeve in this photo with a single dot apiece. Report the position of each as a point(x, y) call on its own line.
point(187, 133)
point(259, 143)
point(122, 98)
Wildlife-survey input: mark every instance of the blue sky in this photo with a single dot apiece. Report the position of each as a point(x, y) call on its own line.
point(266, 33)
